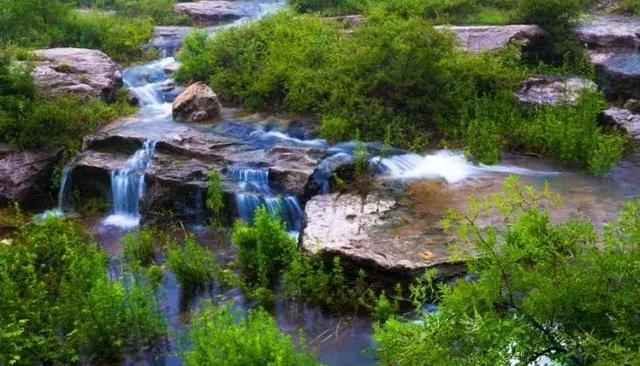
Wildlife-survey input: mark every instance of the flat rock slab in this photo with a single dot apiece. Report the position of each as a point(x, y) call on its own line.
point(610, 32)
point(625, 119)
point(495, 37)
point(84, 72)
point(362, 231)
point(553, 90)
point(215, 12)
point(25, 175)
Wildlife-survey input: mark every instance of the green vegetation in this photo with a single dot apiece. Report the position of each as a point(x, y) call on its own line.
point(219, 338)
point(59, 304)
point(397, 78)
point(538, 289)
point(138, 246)
point(160, 11)
point(264, 248)
point(54, 23)
point(28, 120)
point(194, 265)
point(215, 195)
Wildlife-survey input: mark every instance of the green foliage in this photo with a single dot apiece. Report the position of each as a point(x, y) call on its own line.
point(314, 281)
point(194, 265)
point(218, 337)
point(29, 121)
point(215, 195)
point(631, 7)
point(264, 248)
point(327, 7)
point(53, 23)
point(138, 246)
point(538, 289)
point(58, 302)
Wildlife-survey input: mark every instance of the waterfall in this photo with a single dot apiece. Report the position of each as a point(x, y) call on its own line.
point(254, 191)
point(62, 191)
point(450, 166)
point(127, 188)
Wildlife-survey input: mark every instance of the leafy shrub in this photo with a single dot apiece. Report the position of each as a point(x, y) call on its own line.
point(219, 338)
point(138, 246)
point(194, 265)
point(328, 7)
point(215, 195)
point(59, 303)
point(555, 290)
point(264, 248)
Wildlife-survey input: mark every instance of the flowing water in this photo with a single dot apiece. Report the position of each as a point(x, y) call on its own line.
point(433, 182)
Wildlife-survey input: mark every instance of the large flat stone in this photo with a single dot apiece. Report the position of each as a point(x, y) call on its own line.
point(494, 37)
point(215, 12)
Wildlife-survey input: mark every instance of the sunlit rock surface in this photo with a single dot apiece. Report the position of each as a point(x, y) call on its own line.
point(552, 90)
point(197, 103)
point(215, 12)
point(476, 38)
point(77, 71)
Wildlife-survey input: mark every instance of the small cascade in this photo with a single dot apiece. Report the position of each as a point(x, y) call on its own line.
point(62, 191)
point(254, 191)
point(127, 188)
point(450, 166)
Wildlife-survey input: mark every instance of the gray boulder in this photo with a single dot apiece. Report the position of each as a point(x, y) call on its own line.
point(197, 103)
point(84, 72)
point(625, 119)
point(494, 37)
point(610, 32)
point(208, 13)
point(25, 175)
point(552, 90)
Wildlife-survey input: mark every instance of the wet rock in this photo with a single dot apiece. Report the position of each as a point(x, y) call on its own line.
point(494, 37)
point(197, 103)
point(169, 38)
point(215, 12)
point(610, 32)
point(552, 90)
point(131, 97)
point(362, 231)
point(633, 105)
point(77, 71)
point(25, 175)
point(182, 160)
point(618, 73)
point(625, 119)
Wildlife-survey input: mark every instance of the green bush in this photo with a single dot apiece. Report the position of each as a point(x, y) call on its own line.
point(138, 246)
point(327, 7)
point(215, 195)
point(264, 248)
point(58, 302)
point(217, 337)
point(538, 289)
point(194, 265)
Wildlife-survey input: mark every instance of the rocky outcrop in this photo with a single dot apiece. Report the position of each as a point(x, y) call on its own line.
point(613, 42)
point(610, 32)
point(197, 103)
point(169, 38)
point(552, 90)
point(363, 231)
point(494, 37)
point(215, 12)
point(625, 119)
point(84, 72)
point(183, 158)
point(25, 175)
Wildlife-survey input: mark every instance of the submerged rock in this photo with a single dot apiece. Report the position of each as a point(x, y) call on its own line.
point(197, 103)
point(362, 231)
point(625, 119)
point(552, 90)
point(494, 37)
point(214, 12)
point(25, 175)
point(77, 71)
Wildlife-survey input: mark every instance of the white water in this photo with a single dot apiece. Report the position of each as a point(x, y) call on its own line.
point(447, 165)
point(127, 188)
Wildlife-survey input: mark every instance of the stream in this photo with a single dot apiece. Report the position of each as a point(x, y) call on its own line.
point(431, 182)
